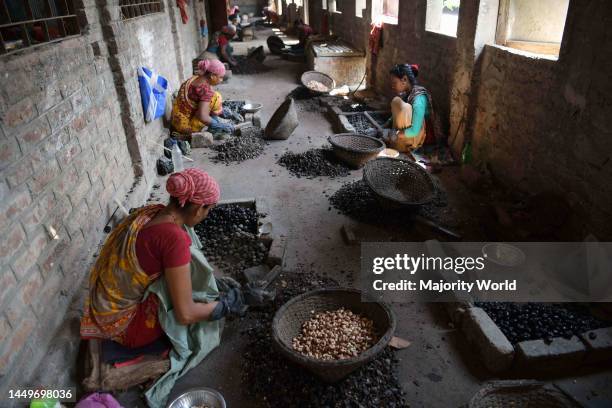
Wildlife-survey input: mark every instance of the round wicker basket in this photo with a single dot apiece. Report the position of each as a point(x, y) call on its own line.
point(520, 393)
point(399, 182)
point(355, 150)
point(319, 77)
point(289, 318)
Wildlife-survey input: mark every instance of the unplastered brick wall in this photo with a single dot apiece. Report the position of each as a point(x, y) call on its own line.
point(72, 139)
point(545, 125)
point(538, 124)
point(64, 159)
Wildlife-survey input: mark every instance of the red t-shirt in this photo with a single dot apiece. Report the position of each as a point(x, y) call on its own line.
point(162, 246)
point(223, 40)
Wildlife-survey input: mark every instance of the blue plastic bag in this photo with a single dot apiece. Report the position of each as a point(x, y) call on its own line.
point(153, 90)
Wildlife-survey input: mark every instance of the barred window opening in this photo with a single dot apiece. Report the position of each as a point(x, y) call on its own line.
point(27, 23)
point(136, 8)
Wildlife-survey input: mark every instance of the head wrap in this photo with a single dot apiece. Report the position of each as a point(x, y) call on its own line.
point(194, 186)
point(213, 66)
point(415, 69)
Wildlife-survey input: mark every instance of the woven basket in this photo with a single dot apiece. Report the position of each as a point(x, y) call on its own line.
point(520, 393)
point(289, 318)
point(399, 182)
point(319, 77)
point(355, 150)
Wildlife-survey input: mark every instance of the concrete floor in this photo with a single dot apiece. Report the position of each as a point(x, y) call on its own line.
point(438, 369)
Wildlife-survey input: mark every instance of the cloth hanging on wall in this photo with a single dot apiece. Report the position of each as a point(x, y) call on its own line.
point(375, 41)
point(182, 5)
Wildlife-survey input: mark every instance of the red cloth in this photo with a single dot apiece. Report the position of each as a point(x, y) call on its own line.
point(202, 92)
point(193, 186)
point(158, 247)
point(144, 328)
point(222, 40)
point(182, 5)
point(374, 41)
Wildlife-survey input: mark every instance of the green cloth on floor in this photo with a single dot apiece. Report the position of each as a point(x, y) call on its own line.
point(190, 344)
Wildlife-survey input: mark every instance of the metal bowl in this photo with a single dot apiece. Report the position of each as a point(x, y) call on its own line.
point(251, 107)
point(503, 254)
point(388, 152)
point(199, 396)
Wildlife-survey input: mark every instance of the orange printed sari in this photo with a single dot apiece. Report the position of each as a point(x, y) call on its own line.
point(117, 282)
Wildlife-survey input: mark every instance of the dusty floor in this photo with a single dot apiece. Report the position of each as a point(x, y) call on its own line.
point(437, 370)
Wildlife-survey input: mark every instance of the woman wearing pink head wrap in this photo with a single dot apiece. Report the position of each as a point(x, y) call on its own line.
point(149, 244)
point(191, 109)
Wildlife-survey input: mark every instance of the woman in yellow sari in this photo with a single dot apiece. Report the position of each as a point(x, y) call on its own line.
point(148, 245)
point(196, 100)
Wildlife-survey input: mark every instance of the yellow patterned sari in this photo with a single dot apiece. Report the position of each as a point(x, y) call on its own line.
point(117, 282)
point(184, 118)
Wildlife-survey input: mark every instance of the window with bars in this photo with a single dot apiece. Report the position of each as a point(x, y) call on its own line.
point(27, 23)
point(137, 8)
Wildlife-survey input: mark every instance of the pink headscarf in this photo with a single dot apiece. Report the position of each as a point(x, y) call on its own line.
point(194, 186)
point(213, 66)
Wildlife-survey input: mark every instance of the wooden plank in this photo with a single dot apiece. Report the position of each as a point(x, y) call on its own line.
point(535, 47)
point(501, 33)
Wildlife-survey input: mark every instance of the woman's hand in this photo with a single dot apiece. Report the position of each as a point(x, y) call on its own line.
point(186, 310)
point(230, 304)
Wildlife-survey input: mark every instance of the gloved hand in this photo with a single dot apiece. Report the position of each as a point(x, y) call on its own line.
point(226, 113)
point(237, 117)
point(389, 135)
point(230, 304)
point(256, 295)
point(216, 125)
point(226, 283)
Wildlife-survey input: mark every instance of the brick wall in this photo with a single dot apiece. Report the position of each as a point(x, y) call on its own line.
point(73, 138)
point(543, 124)
point(538, 124)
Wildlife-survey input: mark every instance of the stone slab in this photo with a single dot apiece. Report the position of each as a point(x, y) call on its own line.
point(559, 354)
point(494, 348)
point(599, 344)
point(277, 252)
point(201, 139)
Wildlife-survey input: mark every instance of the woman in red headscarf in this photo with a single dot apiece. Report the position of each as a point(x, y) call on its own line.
point(151, 243)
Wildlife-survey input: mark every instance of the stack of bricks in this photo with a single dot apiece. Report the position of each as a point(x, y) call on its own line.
point(72, 140)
